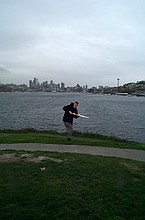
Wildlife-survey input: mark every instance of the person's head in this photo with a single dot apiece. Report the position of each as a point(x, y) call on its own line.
point(75, 105)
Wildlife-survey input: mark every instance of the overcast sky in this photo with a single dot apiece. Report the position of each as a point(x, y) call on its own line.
point(90, 42)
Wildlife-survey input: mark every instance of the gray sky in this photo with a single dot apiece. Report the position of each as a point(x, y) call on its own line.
point(90, 42)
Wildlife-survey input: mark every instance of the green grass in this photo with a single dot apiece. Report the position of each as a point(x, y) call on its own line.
point(81, 187)
point(52, 137)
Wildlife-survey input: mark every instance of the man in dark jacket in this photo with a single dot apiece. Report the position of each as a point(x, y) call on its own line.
point(70, 113)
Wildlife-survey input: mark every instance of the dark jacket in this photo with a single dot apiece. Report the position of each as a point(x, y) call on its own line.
point(68, 117)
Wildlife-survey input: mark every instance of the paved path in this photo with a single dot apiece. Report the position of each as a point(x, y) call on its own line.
point(92, 150)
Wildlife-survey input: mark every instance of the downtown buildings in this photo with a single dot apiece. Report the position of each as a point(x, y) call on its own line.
point(46, 86)
point(132, 88)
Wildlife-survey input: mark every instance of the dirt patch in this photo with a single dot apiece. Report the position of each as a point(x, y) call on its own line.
point(13, 157)
point(131, 166)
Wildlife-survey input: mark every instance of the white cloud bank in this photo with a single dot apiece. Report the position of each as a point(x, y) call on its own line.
point(76, 41)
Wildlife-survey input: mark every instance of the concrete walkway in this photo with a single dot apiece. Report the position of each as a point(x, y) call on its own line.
point(92, 150)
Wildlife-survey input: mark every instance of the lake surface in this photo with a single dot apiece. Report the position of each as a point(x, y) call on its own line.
point(119, 116)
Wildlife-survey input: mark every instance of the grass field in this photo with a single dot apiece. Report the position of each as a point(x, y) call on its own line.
point(69, 186)
point(52, 137)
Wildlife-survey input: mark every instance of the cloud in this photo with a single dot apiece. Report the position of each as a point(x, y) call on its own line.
point(87, 40)
point(4, 69)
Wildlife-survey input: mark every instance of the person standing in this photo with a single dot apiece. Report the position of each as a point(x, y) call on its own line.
point(71, 112)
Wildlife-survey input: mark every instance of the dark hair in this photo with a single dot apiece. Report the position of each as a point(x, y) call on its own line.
point(76, 102)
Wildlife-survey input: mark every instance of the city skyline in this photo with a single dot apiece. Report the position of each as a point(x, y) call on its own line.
point(77, 41)
point(35, 82)
point(132, 89)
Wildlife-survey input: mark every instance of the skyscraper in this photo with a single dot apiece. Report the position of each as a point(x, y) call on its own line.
point(62, 86)
point(35, 82)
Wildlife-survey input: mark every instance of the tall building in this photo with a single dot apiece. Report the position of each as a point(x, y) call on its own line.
point(30, 83)
point(118, 82)
point(58, 86)
point(34, 83)
point(51, 82)
point(62, 86)
point(45, 84)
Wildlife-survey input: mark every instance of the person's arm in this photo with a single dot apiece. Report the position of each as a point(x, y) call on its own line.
point(66, 108)
point(76, 115)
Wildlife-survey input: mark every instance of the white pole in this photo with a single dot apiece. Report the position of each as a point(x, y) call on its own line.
point(83, 116)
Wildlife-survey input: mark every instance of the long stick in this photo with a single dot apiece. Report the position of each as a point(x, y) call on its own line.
point(83, 116)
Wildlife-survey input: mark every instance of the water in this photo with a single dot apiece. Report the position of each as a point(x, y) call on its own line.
point(118, 116)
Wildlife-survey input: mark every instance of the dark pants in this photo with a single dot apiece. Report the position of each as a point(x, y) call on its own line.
point(69, 129)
